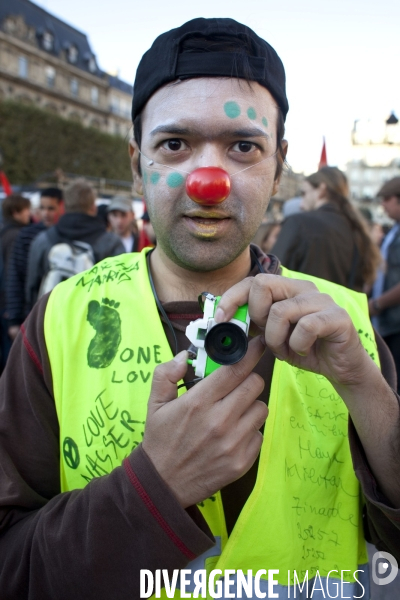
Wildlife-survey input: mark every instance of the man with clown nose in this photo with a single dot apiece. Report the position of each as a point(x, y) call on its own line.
point(287, 460)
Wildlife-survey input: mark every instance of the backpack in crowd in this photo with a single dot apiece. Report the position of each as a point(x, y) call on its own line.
point(65, 259)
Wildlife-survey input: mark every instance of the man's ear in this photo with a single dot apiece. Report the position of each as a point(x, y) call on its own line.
point(136, 173)
point(277, 180)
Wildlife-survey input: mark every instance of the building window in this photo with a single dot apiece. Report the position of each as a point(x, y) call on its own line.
point(92, 64)
point(114, 106)
point(23, 67)
point(50, 76)
point(73, 54)
point(94, 95)
point(126, 110)
point(48, 41)
point(74, 87)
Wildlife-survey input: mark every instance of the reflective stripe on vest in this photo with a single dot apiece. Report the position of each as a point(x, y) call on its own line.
point(104, 339)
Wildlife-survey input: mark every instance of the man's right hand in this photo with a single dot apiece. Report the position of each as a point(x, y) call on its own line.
point(209, 436)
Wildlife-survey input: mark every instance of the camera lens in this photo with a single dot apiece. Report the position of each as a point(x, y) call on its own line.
point(226, 343)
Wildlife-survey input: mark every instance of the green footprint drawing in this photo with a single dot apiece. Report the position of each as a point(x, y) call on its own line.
point(105, 320)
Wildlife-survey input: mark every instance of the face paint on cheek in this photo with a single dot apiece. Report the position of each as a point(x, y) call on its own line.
point(232, 109)
point(264, 122)
point(251, 113)
point(155, 177)
point(174, 180)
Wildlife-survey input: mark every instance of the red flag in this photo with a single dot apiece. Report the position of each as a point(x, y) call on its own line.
point(323, 161)
point(5, 183)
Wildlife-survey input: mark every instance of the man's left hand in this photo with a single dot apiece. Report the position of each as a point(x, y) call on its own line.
point(301, 326)
point(308, 330)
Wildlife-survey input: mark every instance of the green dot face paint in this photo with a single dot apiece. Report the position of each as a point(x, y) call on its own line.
point(174, 180)
point(232, 109)
point(251, 113)
point(155, 177)
point(264, 121)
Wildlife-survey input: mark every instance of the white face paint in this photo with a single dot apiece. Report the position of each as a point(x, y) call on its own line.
point(199, 123)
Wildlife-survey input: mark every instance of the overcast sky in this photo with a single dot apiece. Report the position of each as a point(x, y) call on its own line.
point(342, 57)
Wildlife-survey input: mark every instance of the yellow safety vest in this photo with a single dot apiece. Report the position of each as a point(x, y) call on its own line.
point(104, 339)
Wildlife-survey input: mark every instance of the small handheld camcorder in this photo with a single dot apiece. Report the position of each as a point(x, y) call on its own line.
point(215, 344)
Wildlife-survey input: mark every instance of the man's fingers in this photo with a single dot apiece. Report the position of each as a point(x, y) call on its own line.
point(165, 378)
point(283, 315)
point(330, 324)
point(227, 378)
point(244, 396)
point(254, 447)
point(255, 415)
point(260, 292)
point(271, 290)
point(230, 301)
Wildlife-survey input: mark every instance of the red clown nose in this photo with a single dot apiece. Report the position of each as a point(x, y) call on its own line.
point(208, 185)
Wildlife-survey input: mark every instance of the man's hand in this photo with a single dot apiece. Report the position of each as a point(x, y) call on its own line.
point(373, 308)
point(301, 326)
point(308, 330)
point(209, 436)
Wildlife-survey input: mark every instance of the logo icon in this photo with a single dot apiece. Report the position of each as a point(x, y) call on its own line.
point(71, 453)
point(384, 568)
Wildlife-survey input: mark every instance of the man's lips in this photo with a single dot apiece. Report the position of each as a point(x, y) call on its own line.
point(206, 216)
point(206, 223)
point(206, 220)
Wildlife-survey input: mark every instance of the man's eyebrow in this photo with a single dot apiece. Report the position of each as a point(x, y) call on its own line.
point(246, 132)
point(171, 129)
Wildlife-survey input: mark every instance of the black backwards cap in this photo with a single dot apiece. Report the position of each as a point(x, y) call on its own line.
point(165, 62)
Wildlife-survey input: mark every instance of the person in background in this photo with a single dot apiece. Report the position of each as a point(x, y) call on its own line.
point(79, 223)
point(375, 229)
point(123, 223)
point(329, 239)
point(16, 214)
point(50, 209)
point(270, 236)
point(267, 235)
point(384, 305)
point(377, 233)
point(102, 214)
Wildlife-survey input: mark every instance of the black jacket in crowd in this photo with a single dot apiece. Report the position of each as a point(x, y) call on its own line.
point(71, 226)
point(321, 243)
point(8, 233)
point(16, 309)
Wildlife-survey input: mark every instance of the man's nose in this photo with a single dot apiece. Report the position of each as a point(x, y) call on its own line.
point(210, 156)
point(208, 185)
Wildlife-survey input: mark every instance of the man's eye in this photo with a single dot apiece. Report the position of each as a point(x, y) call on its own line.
point(244, 147)
point(174, 145)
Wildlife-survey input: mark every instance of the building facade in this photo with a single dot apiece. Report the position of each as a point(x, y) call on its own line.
point(375, 156)
point(47, 63)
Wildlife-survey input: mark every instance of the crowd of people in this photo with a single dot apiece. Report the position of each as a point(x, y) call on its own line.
point(68, 233)
point(278, 466)
point(328, 237)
